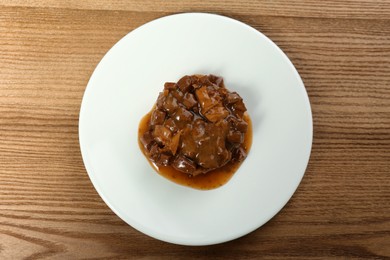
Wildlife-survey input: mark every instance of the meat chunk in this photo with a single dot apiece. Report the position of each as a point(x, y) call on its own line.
point(171, 125)
point(147, 140)
point(159, 156)
point(232, 98)
point(235, 137)
point(239, 154)
point(178, 95)
point(212, 155)
point(183, 164)
point(238, 124)
point(204, 99)
point(158, 117)
point(154, 152)
point(215, 94)
point(182, 115)
point(185, 84)
point(161, 100)
point(216, 114)
point(212, 152)
point(162, 135)
point(170, 104)
point(189, 101)
point(163, 159)
point(198, 129)
point(170, 85)
point(204, 80)
point(174, 144)
point(216, 80)
point(188, 147)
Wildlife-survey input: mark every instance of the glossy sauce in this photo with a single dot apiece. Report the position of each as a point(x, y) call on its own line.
point(207, 181)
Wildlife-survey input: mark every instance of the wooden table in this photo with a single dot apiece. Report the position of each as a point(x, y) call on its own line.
point(48, 206)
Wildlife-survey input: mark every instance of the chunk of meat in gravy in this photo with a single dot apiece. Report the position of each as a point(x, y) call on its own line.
point(158, 117)
point(147, 140)
point(204, 80)
point(182, 117)
point(189, 101)
point(198, 128)
point(170, 104)
point(238, 124)
point(205, 144)
point(212, 152)
point(232, 98)
point(163, 159)
point(189, 147)
point(154, 152)
point(161, 99)
point(216, 114)
point(238, 108)
point(174, 144)
point(178, 95)
point(185, 84)
point(235, 137)
point(159, 156)
point(162, 135)
point(239, 154)
point(171, 125)
point(216, 80)
point(183, 164)
point(170, 85)
point(204, 99)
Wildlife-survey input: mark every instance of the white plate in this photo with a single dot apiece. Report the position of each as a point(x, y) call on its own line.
point(124, 87)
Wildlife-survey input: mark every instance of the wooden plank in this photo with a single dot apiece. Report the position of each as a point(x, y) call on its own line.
point(355, 9)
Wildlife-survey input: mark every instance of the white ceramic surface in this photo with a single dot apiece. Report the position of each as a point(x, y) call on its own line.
point(124, 87)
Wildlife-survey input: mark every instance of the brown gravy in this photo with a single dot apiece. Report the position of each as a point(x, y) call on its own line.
point(208, 181)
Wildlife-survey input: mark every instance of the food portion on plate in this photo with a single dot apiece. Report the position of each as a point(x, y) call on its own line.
point(198, 132)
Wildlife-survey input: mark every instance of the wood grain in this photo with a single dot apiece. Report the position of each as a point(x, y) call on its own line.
point(48, 206)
